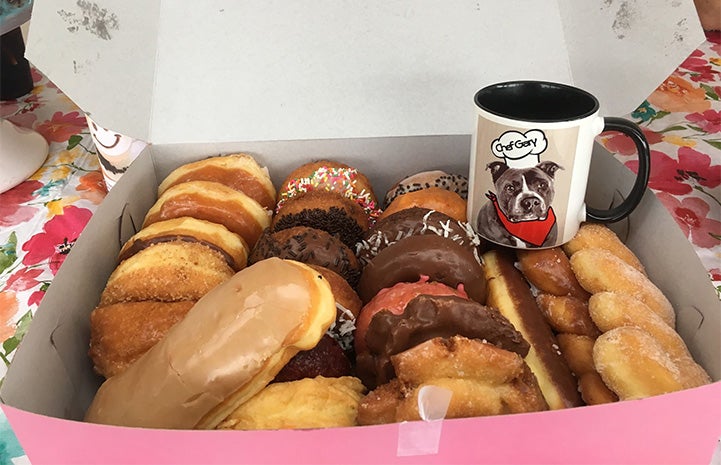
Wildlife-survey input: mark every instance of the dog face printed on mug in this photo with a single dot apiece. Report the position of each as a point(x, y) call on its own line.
point(519, 213)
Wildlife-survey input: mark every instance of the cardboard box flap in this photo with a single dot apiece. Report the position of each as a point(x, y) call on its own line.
point(54, 352)
point(274, 70)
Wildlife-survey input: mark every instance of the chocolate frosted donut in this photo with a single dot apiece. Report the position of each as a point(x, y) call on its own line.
point(325, 210)
point(412, 222)
point(453, 182)
point(310, 246)
point(424, 318)
point(439, 258)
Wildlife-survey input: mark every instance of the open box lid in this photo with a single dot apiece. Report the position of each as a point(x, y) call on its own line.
point(209, 70)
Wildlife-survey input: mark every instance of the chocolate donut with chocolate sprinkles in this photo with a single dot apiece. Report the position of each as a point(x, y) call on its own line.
point(311, 246)
point(324, 210)
point(436, 178)
point(426, 317)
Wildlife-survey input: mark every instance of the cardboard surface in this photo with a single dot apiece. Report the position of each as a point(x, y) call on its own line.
point(54, 352)
point(277, 70)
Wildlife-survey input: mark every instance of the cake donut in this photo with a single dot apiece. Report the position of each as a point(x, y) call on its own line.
point(325, 210)
point(509, 293)
point(328, 175)
point(310, 246)
point(121, 333)
point(432, 198)
point(187, 229)
point(214, 202)
point(416, 221)
point(229, 346)
point(237, 171)
point(435, 178)
point(439, 258)
point(167, 272)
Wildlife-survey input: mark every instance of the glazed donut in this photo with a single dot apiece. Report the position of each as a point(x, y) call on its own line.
point(599, 270)
point(594, 391)
point(237, 171)
point(484, 380)
point(634, 365)
point(412, 222)
point(214, 202)
point(577, 350)
point(550, 271)
point(439, 258)
point(436, 178)
point(599, 236)
point(167, 272)
point(613, 310)
point(567, 314)
point(121, 333)
point(194, 377)
point(188, 229)
point(509, 293)
point(328, 211)
point(310, 246)
point(304, 404)
point(425, 317)
point(433, 198)
point(327, 175)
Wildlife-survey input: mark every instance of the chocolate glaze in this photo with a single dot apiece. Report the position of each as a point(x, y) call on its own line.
point(308, 245)
point(511, 295)
point(426, 317)
point(416, 221)
point(325, 359)
point(140, 244)
point(439, 258)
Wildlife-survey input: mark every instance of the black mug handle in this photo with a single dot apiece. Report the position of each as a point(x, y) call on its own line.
point(644, 169)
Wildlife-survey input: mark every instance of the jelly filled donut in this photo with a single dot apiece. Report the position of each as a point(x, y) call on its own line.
point(436, 178)
point(237, 171)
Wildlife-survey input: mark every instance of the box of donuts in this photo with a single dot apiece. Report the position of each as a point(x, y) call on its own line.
point(325, 301)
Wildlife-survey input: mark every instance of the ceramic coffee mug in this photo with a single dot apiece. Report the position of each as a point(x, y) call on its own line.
point(530, 162)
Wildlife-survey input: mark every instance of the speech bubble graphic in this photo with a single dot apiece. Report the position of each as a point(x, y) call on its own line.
point(513, 145)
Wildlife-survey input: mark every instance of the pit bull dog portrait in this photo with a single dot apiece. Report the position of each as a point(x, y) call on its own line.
point(519, 213)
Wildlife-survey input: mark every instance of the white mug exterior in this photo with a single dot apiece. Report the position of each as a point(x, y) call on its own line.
point(521, 146)
point(115, 151)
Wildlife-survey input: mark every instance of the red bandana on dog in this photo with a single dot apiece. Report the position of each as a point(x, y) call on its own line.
point(532, 231)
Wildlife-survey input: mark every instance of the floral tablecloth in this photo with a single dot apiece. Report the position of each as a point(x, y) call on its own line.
point(41, 218)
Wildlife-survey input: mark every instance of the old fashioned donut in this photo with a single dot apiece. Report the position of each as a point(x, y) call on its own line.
point(426, 179)
point(509, 293)
point(167, 272)
point(328, 175)
point(433, 198)
point(214, 202)
point(121, 333)
point(238, 171)
point(599, 270)
point(325, 210)
point(412, 222)
point(310, 246)
point(188, 229)
point(439, 258)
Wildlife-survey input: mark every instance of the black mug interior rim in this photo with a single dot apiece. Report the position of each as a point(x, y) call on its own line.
point(536, 101)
